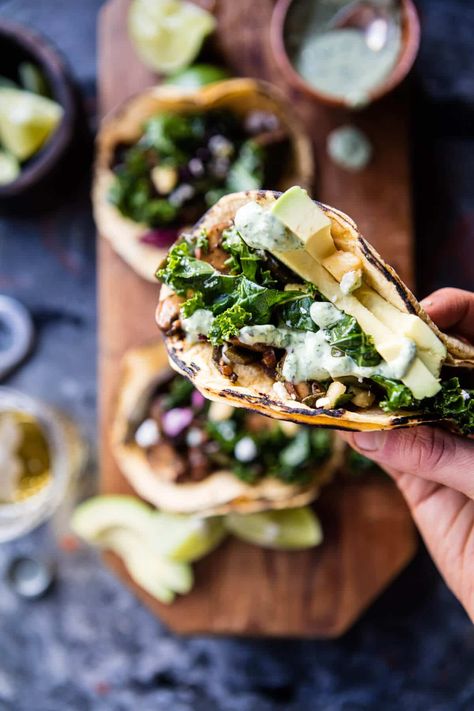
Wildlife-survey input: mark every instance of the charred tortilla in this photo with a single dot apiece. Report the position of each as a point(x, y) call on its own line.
point(256, 386)
point(219, 492)
point(126, 125)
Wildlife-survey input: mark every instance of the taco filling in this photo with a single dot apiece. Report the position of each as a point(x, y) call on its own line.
point(184, 162)
point(272, 287)
point(186, 439)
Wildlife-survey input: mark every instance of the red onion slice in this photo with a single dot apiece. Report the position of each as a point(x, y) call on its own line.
point(176, 420)
point(160, 237)
point(197, 400)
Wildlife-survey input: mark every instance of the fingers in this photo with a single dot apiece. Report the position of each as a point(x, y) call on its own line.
point(426, 452)
point(452, 309)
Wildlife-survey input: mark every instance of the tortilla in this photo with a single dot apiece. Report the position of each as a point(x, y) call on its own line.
point(143, 369)
point(254, 388)
point(125, 126)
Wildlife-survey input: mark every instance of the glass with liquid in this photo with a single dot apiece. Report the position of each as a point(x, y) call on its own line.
point(41, 454)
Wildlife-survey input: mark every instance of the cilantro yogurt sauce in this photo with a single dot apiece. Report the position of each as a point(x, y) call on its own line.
point(338, 62)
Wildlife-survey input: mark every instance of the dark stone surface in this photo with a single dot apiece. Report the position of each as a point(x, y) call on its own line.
point(90, 645)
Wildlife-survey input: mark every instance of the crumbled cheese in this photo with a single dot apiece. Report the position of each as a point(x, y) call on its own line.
point(245, 450)
point(147, 434)
point(351, 281)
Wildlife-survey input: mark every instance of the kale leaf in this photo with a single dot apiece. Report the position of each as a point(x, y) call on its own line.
point(453, 402)
point(296, 315)
point(244, 260)
point(456, 403)
point(228, 323)
point(235, 301)
point(179, 393)
point(397, 395)
point(133, 194)
point(182, 271)
point(246, 173)
point(347, 337)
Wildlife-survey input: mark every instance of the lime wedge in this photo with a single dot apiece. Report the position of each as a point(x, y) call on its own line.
point(9, 168)
point(168, 34)
point(196, 76)
point(160, 577)
point(26, 121)
point(32, 79)
point(7, 83)
point(288, 529)
point(186, 538)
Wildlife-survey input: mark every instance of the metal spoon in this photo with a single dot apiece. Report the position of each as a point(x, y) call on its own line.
point(373, 17)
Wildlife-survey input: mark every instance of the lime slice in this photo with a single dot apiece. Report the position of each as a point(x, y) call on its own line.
point(160, 577)
point(9, 168)
point(7, 83)
point(186, 538)
point(26, 121)
point(168, 34)
point(285, 530)
point(196, 76)
point(32, 79)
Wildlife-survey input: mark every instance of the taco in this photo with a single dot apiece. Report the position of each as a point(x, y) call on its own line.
point(168, 154)
point(187, 455)
point(287, 310)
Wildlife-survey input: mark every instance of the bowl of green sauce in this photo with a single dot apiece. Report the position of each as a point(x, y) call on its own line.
point(345, 53)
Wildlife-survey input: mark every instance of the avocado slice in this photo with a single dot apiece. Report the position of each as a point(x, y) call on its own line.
point(306, 220)
point(186, 538)
point(160, 577)
point(96, 515)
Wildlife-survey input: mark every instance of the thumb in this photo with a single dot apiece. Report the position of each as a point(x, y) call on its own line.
point(426, 452)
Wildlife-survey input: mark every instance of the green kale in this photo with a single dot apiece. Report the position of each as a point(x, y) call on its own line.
point(174, 136)
point(201, 242)
point(228, 323)
point(224, 432)
point(242, 259)
point(179, 393)
point(296, 315)
point(246, 173)
point(347, 337)
point(182, 271)
point(455, 403)
point(297, 451)
point(133, 194)
point(192, 304)
point(397, 395)
point(235, 301)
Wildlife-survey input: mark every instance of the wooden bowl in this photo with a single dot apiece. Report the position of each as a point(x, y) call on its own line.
point(18, 44)
point(410, 42)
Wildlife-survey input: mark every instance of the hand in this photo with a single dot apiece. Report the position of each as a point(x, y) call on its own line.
point(435, 469)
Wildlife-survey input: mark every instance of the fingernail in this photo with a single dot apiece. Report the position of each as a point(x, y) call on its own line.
point(426, 302)
point(369, 441)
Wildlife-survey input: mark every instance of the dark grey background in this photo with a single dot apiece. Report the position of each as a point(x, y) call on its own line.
point(90, 644)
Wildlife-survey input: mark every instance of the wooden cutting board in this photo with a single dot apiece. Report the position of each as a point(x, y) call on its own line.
point(369, 537)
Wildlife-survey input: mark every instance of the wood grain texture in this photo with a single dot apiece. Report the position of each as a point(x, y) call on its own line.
point(369, 537)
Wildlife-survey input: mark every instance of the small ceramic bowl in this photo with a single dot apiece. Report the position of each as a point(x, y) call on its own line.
point(410, 42)
point(18, 44)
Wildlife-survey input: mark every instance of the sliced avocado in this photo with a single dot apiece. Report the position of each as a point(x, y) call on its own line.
point(93, 517)
point(306, 220)
point(160, 577)
point(186, 538)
